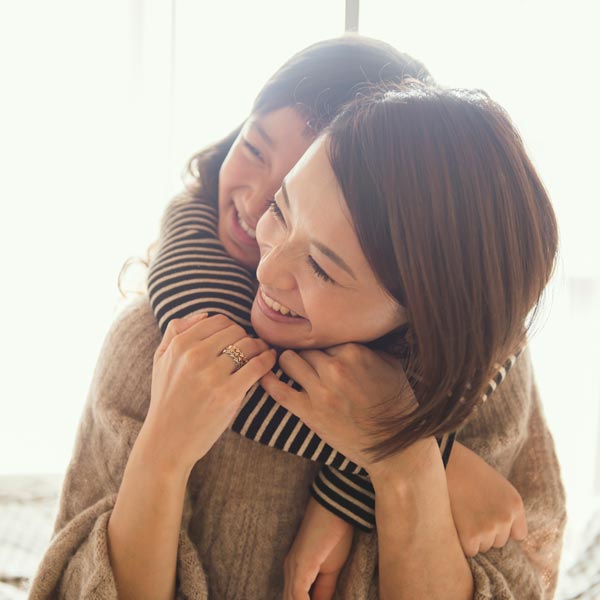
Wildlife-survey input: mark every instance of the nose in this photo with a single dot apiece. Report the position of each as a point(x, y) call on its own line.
point(255, 204)
point(274, 270)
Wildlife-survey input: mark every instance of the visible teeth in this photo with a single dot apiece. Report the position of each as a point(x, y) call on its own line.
point(284, 310)
point(251, 232)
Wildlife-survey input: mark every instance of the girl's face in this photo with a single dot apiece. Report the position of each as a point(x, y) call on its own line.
point(316, 288)
point(267, 147)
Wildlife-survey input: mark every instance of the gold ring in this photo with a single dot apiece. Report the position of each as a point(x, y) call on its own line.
point(238, 357)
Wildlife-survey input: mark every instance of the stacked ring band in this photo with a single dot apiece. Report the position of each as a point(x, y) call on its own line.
point(238, 357)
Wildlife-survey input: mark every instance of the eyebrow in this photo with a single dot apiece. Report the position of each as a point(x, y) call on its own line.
point(262, 133)
point(328, 252)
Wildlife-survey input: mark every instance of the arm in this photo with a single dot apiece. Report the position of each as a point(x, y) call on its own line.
point(195, 394)
point(508, 432)
point(143, 529)
point(487, 510)
point(76, 563)
point(420, 556)
point(511, 435)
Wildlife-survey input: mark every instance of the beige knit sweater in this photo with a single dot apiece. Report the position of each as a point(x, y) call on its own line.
point(245, 500)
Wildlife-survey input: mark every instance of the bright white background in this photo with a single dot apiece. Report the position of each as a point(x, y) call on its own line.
point(103, 102)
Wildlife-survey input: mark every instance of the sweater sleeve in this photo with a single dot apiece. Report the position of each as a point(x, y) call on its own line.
point(510, 433)
point(76, 564)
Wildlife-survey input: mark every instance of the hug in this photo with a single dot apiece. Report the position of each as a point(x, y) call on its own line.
point(326, 391)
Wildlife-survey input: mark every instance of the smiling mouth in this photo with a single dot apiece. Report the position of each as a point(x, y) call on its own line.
point(277, 307)
point(247, 229)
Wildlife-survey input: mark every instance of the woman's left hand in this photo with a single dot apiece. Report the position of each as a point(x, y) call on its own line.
point(341, 385)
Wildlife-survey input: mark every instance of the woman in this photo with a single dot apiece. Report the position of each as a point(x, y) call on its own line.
point(225, 503)
point(241, 173)
point(316, 193)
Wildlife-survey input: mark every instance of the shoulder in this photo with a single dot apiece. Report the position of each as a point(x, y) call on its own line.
point(499, 427)
point(187, 211)
point(123, 374)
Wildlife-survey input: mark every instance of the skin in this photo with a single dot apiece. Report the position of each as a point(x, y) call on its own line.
point(266, 149)
point(312, 262)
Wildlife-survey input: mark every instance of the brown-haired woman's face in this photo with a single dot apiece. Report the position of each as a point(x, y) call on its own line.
point(267, 147)
point(316, 288)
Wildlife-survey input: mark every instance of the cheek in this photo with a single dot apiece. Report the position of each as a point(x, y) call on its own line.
point(265, 231)
point(232, 169)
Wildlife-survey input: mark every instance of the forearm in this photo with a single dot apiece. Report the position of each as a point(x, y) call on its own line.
point(420, 556)
point(143, 530)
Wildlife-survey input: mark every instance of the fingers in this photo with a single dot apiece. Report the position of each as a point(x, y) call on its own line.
point(519, 528)
point(296, 580)
point(324, 586)
point(254, 369)
point(296, 402)
point(249, 347)
point(178, 326)
point(217, 328)
point(301, 368)
point(469, 545)
point(486, 542)
point(501, 538)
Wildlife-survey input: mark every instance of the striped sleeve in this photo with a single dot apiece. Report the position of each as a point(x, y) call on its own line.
point(192, 271)
point(351, 496)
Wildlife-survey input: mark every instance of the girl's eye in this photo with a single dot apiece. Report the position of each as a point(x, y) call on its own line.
point(319, 272)
point(276, 210)
point(253, 150)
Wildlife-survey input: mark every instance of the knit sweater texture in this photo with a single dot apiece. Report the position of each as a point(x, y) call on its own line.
point(245, 501)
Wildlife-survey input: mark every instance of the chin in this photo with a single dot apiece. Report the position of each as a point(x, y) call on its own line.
point(274, 339)
point(276, 335)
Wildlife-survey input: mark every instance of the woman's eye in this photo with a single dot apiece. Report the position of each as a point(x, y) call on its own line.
point(253, 150)
point(276, 210)
point(319, 272)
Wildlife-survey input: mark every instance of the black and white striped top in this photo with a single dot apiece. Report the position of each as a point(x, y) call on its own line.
point(193, 272)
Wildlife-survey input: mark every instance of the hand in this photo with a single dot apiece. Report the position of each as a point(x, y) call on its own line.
point(342, 387)
point(195, 392)
point(317, 555)
point(486, 508)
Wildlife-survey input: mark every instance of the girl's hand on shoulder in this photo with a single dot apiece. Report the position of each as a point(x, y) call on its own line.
point(341, 387)
point(196, 389)
point(487, 510)
point(318, 554)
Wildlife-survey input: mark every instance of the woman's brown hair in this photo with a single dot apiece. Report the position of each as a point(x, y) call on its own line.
point(458, 228)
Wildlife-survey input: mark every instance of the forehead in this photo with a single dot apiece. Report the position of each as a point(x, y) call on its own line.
point(313, 177)
point(281, 127)
point(319, 208)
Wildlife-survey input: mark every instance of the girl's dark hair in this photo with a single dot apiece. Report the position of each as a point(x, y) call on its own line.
point(317, 81)
point(458, 228)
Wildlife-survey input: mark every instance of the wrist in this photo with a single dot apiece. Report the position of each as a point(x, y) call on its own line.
point(158, 458)
point(407, 468)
